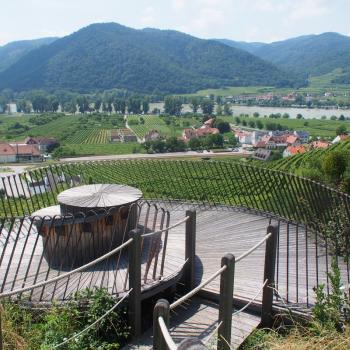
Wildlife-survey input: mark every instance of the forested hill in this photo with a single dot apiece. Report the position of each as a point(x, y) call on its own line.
point(12, 52)
point(305, 55)
point(104, 56)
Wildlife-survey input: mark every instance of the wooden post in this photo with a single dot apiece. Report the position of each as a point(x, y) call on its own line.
point(1, 344)
point(226, 303)
point(269, 275)
point(135, 283)
point(190, 250)
point(162, 309)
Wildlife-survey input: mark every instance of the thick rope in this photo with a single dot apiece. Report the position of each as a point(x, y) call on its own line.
point(93, 324)
point(165, 229)
point(57, 278)
point(213, 334)
point(198, 288)
point(251, 300)
point(252, 249)
point(166, 335)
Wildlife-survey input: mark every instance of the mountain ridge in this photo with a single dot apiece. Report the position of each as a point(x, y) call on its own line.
point(109, 55)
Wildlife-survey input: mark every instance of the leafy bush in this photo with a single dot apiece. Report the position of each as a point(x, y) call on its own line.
point(30, 329)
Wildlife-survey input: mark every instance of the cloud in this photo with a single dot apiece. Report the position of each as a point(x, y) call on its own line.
point(178, 5)
point(307, 9)
point(148, 17)
point(207, 17)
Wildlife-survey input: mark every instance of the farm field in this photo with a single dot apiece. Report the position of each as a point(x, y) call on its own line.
point(103, 149)
point(175, 127)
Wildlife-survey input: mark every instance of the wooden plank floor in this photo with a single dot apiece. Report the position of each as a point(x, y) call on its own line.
point(199, 318)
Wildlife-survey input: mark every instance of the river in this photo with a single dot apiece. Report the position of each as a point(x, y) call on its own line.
point(307, 113)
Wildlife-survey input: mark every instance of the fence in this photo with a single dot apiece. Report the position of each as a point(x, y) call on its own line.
point(161, 317)
point(215, 183)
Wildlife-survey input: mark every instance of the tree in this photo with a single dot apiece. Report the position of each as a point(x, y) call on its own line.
point(334, 165)
point(227, 109)
point(172, 144)
point(97, 105)
point(207, 106)
point(40, 103)
point(256, 115)
point(83, 104)
point(173, 105)
point(341, 130)
point(194, 104)
point(285, 116)
point(195, 143)
point(3, 104)
point(222, 126)
point(251, 123)
point(232, 140)
point(218, 110)
point(145, 105)
point(259, 124)
point(299, 116)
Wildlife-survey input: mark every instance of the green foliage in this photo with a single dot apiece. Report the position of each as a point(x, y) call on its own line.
point(332, 311)
point(334, 165)
point(222, 126)
point(32, 330)
point(146, 60)
point(341, 130)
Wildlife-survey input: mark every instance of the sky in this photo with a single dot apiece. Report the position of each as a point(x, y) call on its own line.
point(243, 20)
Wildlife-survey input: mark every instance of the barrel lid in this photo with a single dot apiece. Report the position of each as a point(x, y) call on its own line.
point(99, 196)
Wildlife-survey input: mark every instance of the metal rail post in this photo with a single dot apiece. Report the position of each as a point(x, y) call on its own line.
point(226, 302)
point(135, 283)
point(269, 275)
point(190, 250)
point(162, 309)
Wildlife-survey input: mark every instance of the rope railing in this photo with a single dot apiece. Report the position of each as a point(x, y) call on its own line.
point(251, 300)
point(252, 249)
point(75, 336)
point(198, 288)
point(166, 335)
point(58, 278)
point(166, 229)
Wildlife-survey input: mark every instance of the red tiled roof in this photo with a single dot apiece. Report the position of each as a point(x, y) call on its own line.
point(320, 144)
point(7, 150)
point(293, 150)
point(292, 139)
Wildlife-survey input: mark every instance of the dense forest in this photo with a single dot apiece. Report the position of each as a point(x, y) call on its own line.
point(105, 56)
point(305, 55)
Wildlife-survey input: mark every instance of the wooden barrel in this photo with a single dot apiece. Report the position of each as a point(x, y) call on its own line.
point(87, 236)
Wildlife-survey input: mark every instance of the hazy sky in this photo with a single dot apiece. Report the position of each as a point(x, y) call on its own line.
point(248, 20)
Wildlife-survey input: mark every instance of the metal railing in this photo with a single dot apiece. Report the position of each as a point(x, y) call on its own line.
point(214, 183)
point(161, 317)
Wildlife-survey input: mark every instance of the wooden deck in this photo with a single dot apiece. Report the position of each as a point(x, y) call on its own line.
point(301, 265)
point(200, 319)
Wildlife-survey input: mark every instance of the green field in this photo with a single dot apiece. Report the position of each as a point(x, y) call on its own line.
point(151, 122)
point(103, 149)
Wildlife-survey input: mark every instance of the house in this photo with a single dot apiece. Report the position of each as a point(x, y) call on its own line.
point(14, 153)
point(261, 154)
point(293, 140)
point(45, 144)
point(244, 137)
point(208, 123)
point(320, 144)
point(7, 153)
point(122, 135)
point(293, 150)
point(152, 135)
point(340, 138)
point(191, 133)
point(303, 136)
point(256, 136)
